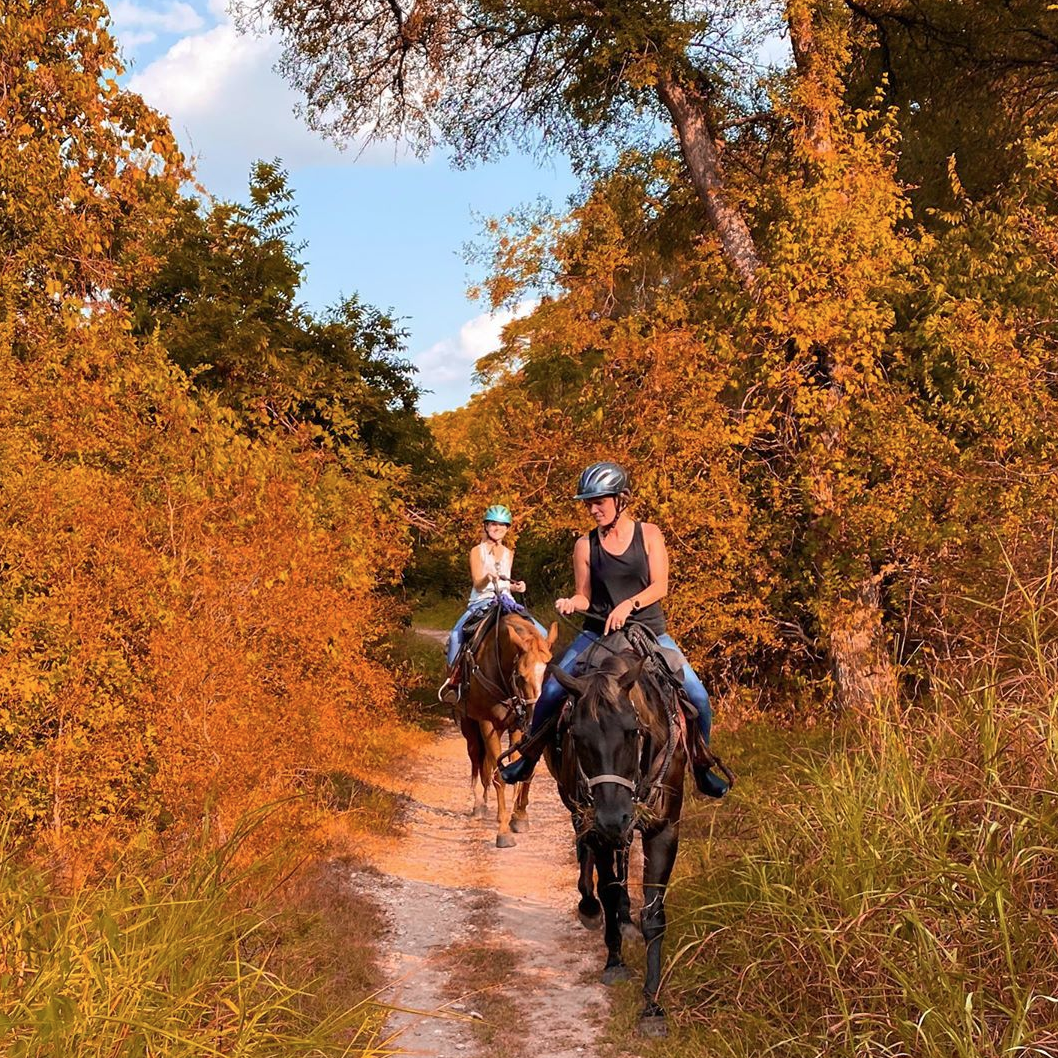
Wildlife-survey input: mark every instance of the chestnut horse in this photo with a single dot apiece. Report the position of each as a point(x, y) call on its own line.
point(619, 764)
point(507, 670)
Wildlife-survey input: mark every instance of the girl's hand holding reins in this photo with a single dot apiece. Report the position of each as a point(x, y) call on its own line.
point(618, 616)
point(518, 585)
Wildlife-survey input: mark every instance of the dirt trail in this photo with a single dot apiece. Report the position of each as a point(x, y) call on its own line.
point(445, 889)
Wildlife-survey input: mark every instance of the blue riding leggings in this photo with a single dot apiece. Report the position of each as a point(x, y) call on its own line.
point(455, 640)
point(553, 692)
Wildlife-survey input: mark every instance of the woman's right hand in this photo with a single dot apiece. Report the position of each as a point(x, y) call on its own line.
point(565, 607)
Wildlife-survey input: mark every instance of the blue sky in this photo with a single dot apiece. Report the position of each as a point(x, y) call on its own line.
point(383, 225)
point(379, 223)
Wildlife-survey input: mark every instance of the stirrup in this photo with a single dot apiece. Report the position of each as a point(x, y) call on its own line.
point(532, 745)
point(705, 764)
point(708, 783)
point(449, 691)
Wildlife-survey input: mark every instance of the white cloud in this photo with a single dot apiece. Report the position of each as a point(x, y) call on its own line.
point(452, 360)
point(131, 39)
point(229, 107)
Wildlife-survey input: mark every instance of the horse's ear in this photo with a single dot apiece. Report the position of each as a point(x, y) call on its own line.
point(572, 684)
point(518, 639)
point(552, 634)
point(630, 675)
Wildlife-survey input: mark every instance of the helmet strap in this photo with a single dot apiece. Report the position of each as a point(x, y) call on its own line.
point(619, 505)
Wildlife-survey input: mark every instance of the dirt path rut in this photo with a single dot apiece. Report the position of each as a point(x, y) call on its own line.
point(462, 913)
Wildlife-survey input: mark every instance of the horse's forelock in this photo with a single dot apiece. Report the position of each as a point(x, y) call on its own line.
point(602, 690)
point(527, 631)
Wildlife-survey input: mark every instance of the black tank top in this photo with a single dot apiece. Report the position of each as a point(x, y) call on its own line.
point(615, 578)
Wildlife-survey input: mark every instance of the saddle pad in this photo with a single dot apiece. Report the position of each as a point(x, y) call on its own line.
point(618, 642)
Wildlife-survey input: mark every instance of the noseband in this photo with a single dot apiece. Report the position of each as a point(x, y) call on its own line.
point(619, 780)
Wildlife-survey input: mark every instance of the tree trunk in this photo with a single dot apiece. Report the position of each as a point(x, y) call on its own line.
point(689, 110)
point(860, 663)
point(859, 658)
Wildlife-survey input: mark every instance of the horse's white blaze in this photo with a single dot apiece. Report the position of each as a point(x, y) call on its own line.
point(538, 678)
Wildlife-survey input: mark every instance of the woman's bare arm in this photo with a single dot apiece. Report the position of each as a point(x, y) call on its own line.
point(580, 600)
point(478, 575)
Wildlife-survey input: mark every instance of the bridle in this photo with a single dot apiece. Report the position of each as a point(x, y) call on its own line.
point(589, 782)
point(646, 788)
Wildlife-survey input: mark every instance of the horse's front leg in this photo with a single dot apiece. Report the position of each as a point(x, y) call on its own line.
point(624, 905)
point(493, 748)
point(589, 911)
point(520, 815)
point(610, 890)
point(659, 855)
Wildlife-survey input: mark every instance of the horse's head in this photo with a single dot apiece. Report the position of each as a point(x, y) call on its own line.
point(606, 737)
point(532, 653)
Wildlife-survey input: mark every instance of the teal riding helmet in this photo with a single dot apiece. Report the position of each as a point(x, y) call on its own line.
point(499, 514)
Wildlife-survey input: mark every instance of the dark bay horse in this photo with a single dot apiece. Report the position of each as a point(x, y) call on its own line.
point(507, 669)
point(620, 767)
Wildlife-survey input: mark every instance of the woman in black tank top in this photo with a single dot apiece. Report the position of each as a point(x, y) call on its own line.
point(621, 574)
point(615, 578)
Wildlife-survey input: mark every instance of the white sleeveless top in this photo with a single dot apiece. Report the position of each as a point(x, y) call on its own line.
point(497, 567)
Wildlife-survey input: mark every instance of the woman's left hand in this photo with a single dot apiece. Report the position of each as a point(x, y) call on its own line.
point(618, 616)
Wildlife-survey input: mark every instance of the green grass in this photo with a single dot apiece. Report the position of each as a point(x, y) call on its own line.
point(438, 613)
point(143, 964)
point(891, 890)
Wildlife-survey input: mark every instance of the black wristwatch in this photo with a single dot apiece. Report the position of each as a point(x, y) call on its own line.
point(635, 605)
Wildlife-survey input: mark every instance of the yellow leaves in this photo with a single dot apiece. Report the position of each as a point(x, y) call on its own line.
point(75, 195)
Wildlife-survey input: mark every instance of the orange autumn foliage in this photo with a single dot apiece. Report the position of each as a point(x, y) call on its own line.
point(191, 621)
point(888, 406)
point(191, 615)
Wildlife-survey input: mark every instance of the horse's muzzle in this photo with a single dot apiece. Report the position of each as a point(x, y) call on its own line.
point(613, 822)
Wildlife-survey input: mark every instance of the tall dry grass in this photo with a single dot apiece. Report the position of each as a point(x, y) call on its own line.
point(142, 964)
point(896, 894)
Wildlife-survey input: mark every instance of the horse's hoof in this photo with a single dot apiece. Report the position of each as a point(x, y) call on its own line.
point(479, 812)
point(612, 974)
point(519, 824)
point(630, 932)
point(505, 841)
point(654, 1026)
point(590, 921)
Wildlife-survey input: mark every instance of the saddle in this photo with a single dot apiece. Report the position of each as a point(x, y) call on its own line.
point(662, 680)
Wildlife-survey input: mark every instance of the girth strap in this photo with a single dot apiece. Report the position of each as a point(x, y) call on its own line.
point(620, 780)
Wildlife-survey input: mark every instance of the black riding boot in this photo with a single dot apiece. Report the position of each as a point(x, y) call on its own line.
point(520, 770)
point(708, 782)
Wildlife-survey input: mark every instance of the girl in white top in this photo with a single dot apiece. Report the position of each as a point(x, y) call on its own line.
point(490, 576)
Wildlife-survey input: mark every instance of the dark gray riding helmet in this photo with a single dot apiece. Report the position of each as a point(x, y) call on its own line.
point(602, 479)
